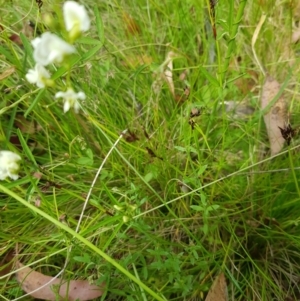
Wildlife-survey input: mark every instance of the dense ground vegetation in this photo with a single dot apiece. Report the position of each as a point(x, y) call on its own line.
point(191, 189)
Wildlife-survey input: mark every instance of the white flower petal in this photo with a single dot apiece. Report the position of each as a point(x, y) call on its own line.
point(71, 99)
point(32, 76)
point(81, 95)
point(67, 106)
point(36, 42)
point(3, 174)
point(76, 15)
point(13, 176)
point(8, 155)
point(38, 75)
point(59, 94)
point(49, 49)
point(9, 166)
point(76, 107)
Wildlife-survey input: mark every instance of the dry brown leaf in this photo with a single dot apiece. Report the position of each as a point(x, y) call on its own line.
point(275, 118)
point(248, 82)
point(296, 9)
point(254, 39)
point(131, 26)
point(69, 290)
point(181, 98)
point(9, 71)
point(134, 61)
point(218, 290)
point(25, 126)
point(6, 262)
point(168, 74)
point(28, 29)
point(296, 36)
point(183, 75)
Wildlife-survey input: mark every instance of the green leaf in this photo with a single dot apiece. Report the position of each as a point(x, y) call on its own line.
point(186, 149)
point(88, 41)
point(91, 53)
point(213, 207)
point(209, 77)
point(13, 60)
point(25, 147)
point(35, 101)
point(197, 208)
point(99, 25)
point(205, 229)
point(96, 204)
point(27, 45)
point(90, 154)
point(180, 148)
point(84, 259)
point(148, 177)
point(85, 161)
point(31, 190)
point(201, 170)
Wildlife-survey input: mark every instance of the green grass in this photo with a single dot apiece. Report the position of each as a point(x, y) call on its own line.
point(210, 200)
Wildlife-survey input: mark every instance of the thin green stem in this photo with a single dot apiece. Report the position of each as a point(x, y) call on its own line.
point(293, 172)
point(233, 30)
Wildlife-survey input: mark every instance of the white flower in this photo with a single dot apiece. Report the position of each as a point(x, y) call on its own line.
point(49, 49)
point(70, 99)
point(9, 166)
point(76, 16)
point(38, 75)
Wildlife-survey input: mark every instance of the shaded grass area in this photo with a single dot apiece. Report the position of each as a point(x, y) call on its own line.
point(178, 236)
